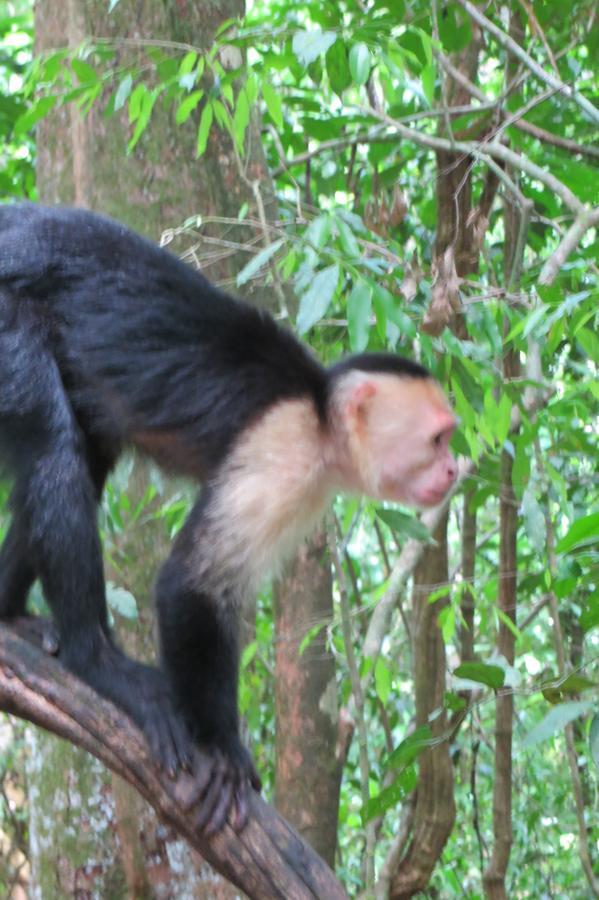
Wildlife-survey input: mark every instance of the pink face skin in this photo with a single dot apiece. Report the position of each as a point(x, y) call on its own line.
point(421, 470)
point(402, 429)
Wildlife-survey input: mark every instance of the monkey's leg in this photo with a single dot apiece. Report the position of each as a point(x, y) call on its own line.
point(57, 508)
point(198, 638)
point(17, 574)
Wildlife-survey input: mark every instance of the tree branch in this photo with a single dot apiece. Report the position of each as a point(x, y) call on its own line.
point(268, 860)
point(513, 47)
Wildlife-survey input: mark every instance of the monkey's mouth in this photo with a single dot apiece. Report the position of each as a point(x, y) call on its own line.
point(431, 496)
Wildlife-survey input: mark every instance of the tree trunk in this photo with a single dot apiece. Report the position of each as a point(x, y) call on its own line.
point(83, 161)
point(434, 813)
point(307, 771)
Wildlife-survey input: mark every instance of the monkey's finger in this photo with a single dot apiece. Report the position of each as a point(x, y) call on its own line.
point(221, 809)
point(210, 800)
point(191, 787)
point(182, 743)
point(161, 746)
point(242, 809)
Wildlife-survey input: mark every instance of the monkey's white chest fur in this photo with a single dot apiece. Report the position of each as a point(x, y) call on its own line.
point(268, 498)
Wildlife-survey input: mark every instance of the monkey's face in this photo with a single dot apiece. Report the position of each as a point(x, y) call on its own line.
point(400, 430)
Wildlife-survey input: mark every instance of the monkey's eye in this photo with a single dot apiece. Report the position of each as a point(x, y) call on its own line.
point(438, 439)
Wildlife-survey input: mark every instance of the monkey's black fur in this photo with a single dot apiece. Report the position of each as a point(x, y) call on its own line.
point(106, 340)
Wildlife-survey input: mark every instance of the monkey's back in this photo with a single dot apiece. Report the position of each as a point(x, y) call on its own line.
point(145, 344)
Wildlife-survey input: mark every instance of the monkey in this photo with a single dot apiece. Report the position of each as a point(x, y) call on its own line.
point(109, 342)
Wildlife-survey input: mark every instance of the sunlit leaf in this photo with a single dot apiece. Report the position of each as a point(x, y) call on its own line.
point(274, 104)
point(121, 601)
point(359, 305)
point(492, 676)
point(187, 106)
point(411, 747)
point(204, 129)
point(382, 679)
point(123, 91)
point(404, 524)
point(391, 796)
point(84, 72)
point(308, 45)
point(582, 531)
point(359, 63)
point(337, 64)
point(315, 301)
point(257, 261)
point(556, 720)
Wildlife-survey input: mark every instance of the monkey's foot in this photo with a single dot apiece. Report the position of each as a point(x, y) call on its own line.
point(144, 694)
point(40, 631)
point(219, 786)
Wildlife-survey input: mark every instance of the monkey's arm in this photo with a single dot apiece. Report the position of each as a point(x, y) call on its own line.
point(197, 614)
point(268, 860)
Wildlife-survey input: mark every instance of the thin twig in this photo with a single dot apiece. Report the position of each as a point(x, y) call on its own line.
point(513, 47)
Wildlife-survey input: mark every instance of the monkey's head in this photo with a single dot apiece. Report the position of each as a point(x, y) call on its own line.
point(391, 431)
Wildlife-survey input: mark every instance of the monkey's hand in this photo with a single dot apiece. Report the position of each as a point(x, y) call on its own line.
point(218, 788)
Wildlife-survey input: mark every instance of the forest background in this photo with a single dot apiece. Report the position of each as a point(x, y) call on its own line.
point(420, 693)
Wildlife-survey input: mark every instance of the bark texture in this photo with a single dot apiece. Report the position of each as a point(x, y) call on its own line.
point(434, 813)
point(307, 770)
point(268, 860)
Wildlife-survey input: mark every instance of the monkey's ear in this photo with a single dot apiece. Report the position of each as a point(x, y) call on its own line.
point(357, 401)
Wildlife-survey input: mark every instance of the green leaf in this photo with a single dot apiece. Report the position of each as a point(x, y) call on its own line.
point(318, 231)
point(84, 72)
point(555, 720)
point(594, 739)
point(123, 91)
point(188, 62)
point(428, 77)
point(589, 617)
point(509, 624)
point(338, 67)
point(556, 691)
point(359, 305)
point(257, 261)
point(273, 104)
point(136, 101)
point(582, 531)
point(589, 342)
point(121, 601)
point(411, 747)
point(404, 524)
point(147, 105)
point(204, 129)
point(315, 301)
point(112, 5)
point(446, 622)
point(308, 45)
point(359, 63)
point(502, 425)
point(391, 796)
point(309, 636)
point(382, 680)
point(347, 239)
point(534, 519)
point(247, 654)
point(185, 109)
point(492, 676)
point(36, 111)
point(454, 28)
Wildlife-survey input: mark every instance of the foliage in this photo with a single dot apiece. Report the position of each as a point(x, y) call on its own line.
point(352, 97)
point(17, 177)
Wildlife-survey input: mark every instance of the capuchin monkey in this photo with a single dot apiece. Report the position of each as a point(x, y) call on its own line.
point(107, 342)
